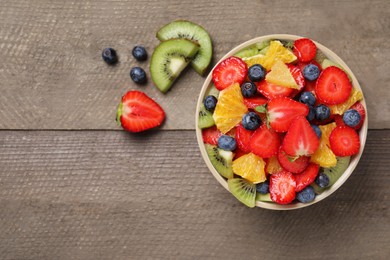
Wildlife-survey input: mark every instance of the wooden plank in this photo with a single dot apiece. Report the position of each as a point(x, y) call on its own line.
point(52, 75)
point(111, 195)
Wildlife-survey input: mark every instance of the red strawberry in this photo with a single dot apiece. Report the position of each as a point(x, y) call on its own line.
point(210, 135)
point(229, 71)
point(360, 108)
point(297, 75)
point(333, 86)
point(282, 187)
point(243, 138)
point(293, 166)
point(306, 177)
point(238, 153)
point(271, 91)
point(305, 49)
point(344, 141)
point(265, 142)
point(300, 138)
point(282, 111)
point(137, 112)
point(254, 102)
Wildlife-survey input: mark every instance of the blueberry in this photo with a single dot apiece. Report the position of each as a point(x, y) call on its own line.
point(251, 121)
point(322, 112)
point(248, 89)
point(139, 53)
point(263, 187)
point(312, 114)
point(311, 72)
point(109, 56)
point(210, 102)
point(307, 98)
point(322, 180)
point(227, 143)
point(351, 117)
point(306, 195)
point(317, 130)
point(256, 73)
point(138, 75)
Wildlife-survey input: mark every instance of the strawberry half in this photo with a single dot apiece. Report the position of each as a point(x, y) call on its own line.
point(282, 111)
point(297, 75)
point(333, 86)
point(254, 102)
point(344, 141)
point(300, 140)
point(229, 71)
point(306, 177)
point(293, 166)
point(305, 49)
point(282, 187)
point(265, 142)
point(243, 138)
point(210, 135)
point(137, 112)
point(271, 91)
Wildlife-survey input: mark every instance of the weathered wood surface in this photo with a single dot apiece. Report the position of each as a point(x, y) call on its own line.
point(52, 75)
point(111, 195)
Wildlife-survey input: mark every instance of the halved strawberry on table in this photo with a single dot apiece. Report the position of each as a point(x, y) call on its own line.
point(229, 71)
point(282, 187)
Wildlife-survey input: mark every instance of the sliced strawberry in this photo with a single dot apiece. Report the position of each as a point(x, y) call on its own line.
point(300, 140)
point(265, 142)
point(306, 177)
point(333, 86)
point(229, 71)
point(254, 102)
point(305, 49)
point(271, 91)
point(291, 165)
point(297, 75)
point(360, 108)
point(282, 111)
point(243, 138)
point(344, 141)
point(137, 112)
point(210, 135)
point(282, 187)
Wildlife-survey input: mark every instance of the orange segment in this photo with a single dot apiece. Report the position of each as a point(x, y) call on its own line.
point(250, 167)
point(355, 96)
point(280, 75)
point(273, 165)
point(324, 155)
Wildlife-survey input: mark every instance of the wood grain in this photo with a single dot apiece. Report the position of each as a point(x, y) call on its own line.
point(111, 195)
point(52, 75)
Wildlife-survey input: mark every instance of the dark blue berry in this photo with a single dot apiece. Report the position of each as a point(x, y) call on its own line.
point(306, 195)
point(311, 72)
point(263, 187)
point(352, 117)
point(307, 98)
point(138, 75)
point(322, 180)
point(256, 73)
point(109, 56)
point(248, 89)
point(317, 130)
point(251, 121)
point(312, 114)
point(227, 143)
point(139, 53)
point(210, 102)
point(322, 112)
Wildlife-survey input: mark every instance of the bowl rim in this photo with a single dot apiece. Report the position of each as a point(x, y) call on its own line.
point(354, 159)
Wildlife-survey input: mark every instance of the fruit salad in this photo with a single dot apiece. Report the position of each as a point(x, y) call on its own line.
point(280, 122)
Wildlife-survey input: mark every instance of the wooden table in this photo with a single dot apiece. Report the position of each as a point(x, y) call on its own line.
point(73, 185)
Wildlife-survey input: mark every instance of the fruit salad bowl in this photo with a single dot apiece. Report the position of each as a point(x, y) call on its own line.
point(281, 122)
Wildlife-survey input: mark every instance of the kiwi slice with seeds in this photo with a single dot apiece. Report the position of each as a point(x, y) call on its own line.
point(252, 50)
point(263, 197)
point(243, 190)
point(205, 118)
point(221, 160)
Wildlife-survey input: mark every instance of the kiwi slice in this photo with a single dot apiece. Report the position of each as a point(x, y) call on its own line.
point(205, 119)
point(193, 32)
point(252, 50)
point(212, 91)
point(243, 190)
point(169, 59)
point(221, 160)
point(263, 197)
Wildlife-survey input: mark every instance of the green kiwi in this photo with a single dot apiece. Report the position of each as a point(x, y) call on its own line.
point(168, 61)
point(205, 119)
point(320, 56)
point(252, 50)
point(221, 160)
point(212, 91)
point(193, 32)
point(263, 197)
point(243, 190)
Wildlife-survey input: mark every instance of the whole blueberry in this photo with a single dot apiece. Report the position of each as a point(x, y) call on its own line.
point(263, 187)
point(352, 117)
point(322, 112)
point(139, 53)
point(322, 180)
point(307, 98)
point(109, 56)
point(251, 121)
point(227, 143)
point(317, 130)
point(311, 72)
point(138, 75)
point(210, 102)
point(312, 114)
point(306, 195)
point(256, 73)
point(248, 89)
